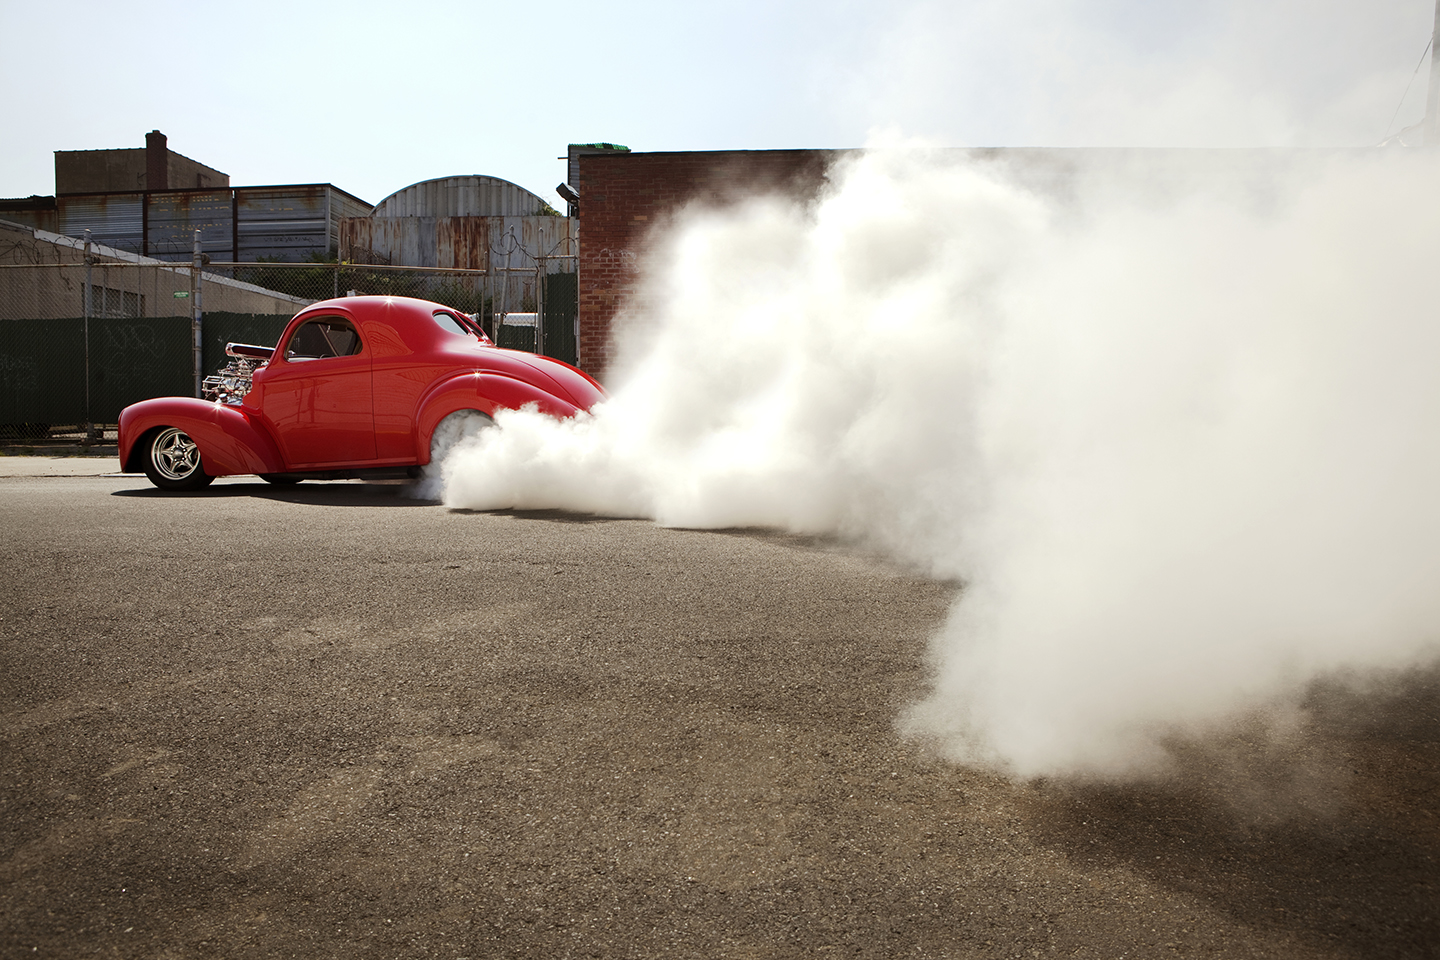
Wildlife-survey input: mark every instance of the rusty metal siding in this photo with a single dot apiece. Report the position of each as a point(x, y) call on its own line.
point(114, 219)
point(463, 242)
point(474, 243)
point(547, 238)
point(402, 241)
point(528, 241)
point(171, 219)
point(343, 205)
point(362, 240)
point(472, 196)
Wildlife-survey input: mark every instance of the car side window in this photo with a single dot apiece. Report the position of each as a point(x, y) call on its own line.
point(324, 337)
point(451, 323)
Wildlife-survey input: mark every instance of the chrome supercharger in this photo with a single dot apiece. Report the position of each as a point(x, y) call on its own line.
point(231, 382)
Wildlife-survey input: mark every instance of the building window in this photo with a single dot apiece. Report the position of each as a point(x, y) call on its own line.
point(111, 304)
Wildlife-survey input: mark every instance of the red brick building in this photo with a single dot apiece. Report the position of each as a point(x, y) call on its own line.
point(624, 196)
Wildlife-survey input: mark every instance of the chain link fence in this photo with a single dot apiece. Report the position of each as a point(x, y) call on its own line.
point(80, 341)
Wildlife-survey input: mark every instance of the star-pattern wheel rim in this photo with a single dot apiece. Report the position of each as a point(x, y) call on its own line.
point(176, 455)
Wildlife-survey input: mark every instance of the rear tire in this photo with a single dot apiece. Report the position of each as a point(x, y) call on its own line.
point(172, 461)
point(458, 426)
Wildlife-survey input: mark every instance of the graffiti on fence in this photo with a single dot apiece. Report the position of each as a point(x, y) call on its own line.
point(122, 338)
point(19, 388)
point(19, 373)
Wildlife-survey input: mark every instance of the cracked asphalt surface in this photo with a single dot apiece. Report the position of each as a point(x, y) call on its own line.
point(332, 721)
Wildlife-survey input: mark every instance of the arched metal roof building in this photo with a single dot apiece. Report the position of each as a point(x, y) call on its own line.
point(472, 196)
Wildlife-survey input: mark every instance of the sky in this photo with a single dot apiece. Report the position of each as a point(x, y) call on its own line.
point(373, 97)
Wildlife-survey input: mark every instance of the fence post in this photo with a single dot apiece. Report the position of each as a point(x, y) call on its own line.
point(88, 307)
point(540, 307)
point(195, 290)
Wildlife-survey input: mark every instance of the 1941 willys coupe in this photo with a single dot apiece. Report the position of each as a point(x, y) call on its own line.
point(357, 386)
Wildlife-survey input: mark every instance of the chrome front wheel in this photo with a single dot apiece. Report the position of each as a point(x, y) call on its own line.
point(172, 461)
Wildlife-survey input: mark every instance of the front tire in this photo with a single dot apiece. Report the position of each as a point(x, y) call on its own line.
point(172, 461)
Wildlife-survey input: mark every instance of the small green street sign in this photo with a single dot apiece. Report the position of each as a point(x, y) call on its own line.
point(180, 294)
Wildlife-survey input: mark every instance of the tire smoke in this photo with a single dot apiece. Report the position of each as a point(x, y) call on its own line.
point(1172, 424)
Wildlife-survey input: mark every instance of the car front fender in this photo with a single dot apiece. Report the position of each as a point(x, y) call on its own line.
point(486, 392)
point(231, 441)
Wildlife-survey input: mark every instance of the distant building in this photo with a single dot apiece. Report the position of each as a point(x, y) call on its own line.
point(624, 196)
point(573, 153)
point(492, 247)
point(518, 254)
point(33, 211)
point(45, 279)
point(469, 222)
point(149, 201)
point(625, 199)
point(151, 168)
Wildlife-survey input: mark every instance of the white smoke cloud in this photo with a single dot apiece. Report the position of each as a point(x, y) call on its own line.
point(1176, 437)
point(1283, 73)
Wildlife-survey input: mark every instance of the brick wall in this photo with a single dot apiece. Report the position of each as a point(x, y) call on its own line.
point(623, 196)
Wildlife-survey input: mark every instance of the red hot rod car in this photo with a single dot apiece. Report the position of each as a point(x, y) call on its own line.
point(357, 386)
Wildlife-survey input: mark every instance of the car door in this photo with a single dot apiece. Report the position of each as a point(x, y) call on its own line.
point(318, 395)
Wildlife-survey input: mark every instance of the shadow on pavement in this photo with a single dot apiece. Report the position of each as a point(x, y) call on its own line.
point(552, 516)
point(1327, 833)
point(319, 493)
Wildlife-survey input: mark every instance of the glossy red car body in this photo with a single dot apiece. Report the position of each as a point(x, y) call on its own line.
point(375, 406)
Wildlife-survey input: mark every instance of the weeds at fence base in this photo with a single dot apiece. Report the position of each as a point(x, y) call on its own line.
point(58, 440)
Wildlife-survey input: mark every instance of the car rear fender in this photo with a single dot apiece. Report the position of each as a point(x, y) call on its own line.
point(230, 440)
point(486, 392)
point(571, 383)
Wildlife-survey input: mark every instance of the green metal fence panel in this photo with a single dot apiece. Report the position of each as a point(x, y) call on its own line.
point(562, 300)
point(135, 352)
point(218, 329)
point(40, 382)
point(136, 359)
point(43, 364)
point(515, 337)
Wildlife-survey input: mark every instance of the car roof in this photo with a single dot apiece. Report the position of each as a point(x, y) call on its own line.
point(391, 325)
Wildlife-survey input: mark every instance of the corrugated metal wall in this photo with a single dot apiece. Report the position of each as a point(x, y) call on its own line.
point(473, 196)
point(342, 207)
point(284, 222)
point(451, 222)
point(244, 224)
point(171, 219)
point(114, 219)
point(512, 252)
point(473, 243)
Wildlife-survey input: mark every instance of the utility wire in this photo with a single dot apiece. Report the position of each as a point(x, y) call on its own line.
point(1407, 89)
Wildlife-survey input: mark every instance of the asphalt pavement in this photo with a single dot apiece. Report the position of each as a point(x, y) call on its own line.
point(331, 720)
